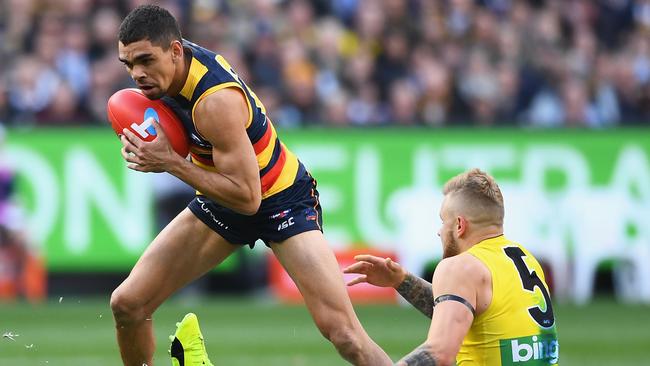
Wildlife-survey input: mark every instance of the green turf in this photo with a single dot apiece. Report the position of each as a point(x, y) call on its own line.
point(79, 332)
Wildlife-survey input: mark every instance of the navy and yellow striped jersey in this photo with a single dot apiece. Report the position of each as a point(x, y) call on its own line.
point(210, 72)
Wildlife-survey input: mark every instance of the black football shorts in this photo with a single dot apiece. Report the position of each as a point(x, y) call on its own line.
point(292, 211)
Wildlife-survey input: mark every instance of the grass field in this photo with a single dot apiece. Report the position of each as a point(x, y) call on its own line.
point(79, 332)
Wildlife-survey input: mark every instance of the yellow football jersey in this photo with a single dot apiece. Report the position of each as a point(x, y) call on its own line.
point(518, 327)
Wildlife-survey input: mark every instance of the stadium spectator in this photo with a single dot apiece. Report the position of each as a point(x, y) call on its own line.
point(64, 108)
point(4, 103)
point(31, 88)
point(528, 62)
point(73, 58)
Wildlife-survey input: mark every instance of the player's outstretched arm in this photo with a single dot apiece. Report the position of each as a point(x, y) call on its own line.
point(456, 283)
point(221, 119)
point(384, 272)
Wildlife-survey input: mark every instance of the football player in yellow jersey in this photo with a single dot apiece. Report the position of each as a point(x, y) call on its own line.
point(492, 304)
point(252, 187)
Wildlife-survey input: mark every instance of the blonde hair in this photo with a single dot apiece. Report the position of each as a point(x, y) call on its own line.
point(477, 196)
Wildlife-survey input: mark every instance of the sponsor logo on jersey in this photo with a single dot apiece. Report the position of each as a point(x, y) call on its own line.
point(286, 223)
point(311, 214)
point(280, 215)
point(207, 210)
point(543, 349)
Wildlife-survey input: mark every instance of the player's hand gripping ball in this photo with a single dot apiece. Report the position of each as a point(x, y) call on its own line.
point(129, 108)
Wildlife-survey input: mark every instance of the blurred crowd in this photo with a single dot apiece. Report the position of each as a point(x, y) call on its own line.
point(546, 63)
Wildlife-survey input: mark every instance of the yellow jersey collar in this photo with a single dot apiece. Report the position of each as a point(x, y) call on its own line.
point(493, 240)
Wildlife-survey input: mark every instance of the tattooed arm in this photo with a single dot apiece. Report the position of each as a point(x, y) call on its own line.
point(418, 292)
point(458, 279)
point(420, 356)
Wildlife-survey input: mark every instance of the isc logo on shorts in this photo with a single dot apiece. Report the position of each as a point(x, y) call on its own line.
point(145, 128)
point(285, 224)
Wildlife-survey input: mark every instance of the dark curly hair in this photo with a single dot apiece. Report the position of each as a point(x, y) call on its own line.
point(149, 22)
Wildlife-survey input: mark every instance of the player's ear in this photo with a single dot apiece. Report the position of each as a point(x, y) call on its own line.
point(177, 51)
point(461, 226)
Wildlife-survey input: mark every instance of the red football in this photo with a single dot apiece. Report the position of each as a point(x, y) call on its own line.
point(129, 108)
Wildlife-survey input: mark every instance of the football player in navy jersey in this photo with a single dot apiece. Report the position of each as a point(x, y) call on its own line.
point(244, 177)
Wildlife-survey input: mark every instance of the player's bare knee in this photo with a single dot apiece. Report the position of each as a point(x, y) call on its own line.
point(126, 307)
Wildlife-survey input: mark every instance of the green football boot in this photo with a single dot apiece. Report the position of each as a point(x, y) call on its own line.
point(188, 348)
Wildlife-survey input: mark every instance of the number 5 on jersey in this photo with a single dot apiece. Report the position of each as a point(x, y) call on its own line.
point(530, 280)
